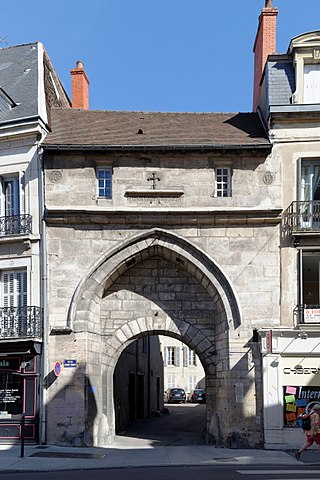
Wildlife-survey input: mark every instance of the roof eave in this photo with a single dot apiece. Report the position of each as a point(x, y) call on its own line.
point(173, 147)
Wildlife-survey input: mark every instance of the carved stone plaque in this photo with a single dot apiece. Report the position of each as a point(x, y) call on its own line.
point(268, 178)
point(55, 176)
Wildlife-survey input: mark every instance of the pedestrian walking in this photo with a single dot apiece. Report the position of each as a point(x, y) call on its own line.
point(312, 434)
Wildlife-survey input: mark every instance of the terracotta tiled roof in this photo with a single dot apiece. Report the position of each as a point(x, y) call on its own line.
point(75, 127)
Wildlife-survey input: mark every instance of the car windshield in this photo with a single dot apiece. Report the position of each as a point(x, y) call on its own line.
point(199, 392)
point(177, 390)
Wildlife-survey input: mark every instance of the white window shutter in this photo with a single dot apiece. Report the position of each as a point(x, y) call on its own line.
point(177, 356)
point(8, 289)
point(311, 84)
point(14, 287)
point(185, 356)
point(21, 281)
point(165, 359)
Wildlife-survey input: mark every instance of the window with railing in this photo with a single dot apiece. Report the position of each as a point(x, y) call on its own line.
point(17, 318)
point(13, 219)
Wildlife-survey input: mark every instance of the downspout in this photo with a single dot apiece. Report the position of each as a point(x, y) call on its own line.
point(43, 294)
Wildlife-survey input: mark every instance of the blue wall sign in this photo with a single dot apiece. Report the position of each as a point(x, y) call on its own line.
point(70, 363)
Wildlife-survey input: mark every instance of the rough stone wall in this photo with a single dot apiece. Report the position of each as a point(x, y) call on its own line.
point(192, 174)
point(108, 284)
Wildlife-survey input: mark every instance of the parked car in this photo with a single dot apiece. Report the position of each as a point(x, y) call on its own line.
point(198, 395)
point(176, 395)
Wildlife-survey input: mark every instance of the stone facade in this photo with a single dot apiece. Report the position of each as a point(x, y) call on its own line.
point(201, 269)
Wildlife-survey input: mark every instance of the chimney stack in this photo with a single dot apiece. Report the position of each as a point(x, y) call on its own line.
point(80, 87)
point(264, 45)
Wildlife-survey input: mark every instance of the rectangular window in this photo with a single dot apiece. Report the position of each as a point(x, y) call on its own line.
point(171, 356)
point(223, 182)
point(14, 288)
point(104, 177)
point(189, 357)
point(311, 81)
point(171, 381)
point(309, 193)
point(192, 382)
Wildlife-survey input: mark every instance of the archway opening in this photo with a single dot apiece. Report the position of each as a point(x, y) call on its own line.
point(160, 393)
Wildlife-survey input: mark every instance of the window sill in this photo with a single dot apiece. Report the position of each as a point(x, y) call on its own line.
point(103, 201)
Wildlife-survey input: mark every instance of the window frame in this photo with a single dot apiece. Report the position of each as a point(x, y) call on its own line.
point(104, 188)
point(221, 185)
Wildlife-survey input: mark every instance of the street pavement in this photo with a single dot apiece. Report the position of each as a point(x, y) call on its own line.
point(128, 452)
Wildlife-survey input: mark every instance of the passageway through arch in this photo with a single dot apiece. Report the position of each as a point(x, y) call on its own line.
point(156, 284)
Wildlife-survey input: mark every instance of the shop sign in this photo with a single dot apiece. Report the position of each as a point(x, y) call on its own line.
point(301, 371)
point(10, 363)
point(312, 315)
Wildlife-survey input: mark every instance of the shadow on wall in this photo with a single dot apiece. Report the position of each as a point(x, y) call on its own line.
point(72, 410)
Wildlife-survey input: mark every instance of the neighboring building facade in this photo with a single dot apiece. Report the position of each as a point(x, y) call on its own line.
point(290, 105)
point(29, 86)
point(182, 366)
point(159, 224)
point(138, 382)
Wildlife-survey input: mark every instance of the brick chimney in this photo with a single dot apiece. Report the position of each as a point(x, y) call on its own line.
point(80, 87)
point(264, 45)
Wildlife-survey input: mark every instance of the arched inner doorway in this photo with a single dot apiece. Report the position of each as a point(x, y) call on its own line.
point(159, 392)
point(156, 284)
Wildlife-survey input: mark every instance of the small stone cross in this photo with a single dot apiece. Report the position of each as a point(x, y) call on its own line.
point(153, 179)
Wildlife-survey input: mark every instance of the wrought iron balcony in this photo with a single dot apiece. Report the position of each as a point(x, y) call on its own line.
point(301, 217)
point(308, 314)
point(20, 322)
point(16, 225)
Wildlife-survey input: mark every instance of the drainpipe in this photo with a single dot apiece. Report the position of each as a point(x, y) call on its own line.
point(43, 293)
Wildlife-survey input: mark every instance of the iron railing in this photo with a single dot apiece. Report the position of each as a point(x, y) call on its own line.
point(20, 322)
point(308, 314)
point(301, 217)
point(16, 225)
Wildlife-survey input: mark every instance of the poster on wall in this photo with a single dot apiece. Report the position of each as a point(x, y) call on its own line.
point(298, 400)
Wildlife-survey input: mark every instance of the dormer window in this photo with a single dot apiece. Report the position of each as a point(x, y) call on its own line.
point(305, 51)
point(311, 83)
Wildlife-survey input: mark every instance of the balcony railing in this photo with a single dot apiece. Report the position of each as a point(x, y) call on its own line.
point(20, 322)
point(308, 314)
point(301, 217)
point(16, 225)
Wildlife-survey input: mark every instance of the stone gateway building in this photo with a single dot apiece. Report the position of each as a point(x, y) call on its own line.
point(159, 224)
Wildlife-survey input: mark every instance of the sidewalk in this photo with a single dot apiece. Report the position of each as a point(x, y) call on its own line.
point(130, 453)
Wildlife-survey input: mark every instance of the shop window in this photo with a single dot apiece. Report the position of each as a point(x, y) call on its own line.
point(298, 400)
point(11, 395)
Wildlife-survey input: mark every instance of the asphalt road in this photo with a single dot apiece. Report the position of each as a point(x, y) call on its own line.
point(184, 425)
point(174, 473)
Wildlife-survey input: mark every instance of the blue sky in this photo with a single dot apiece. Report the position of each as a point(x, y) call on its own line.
point(156, 55)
